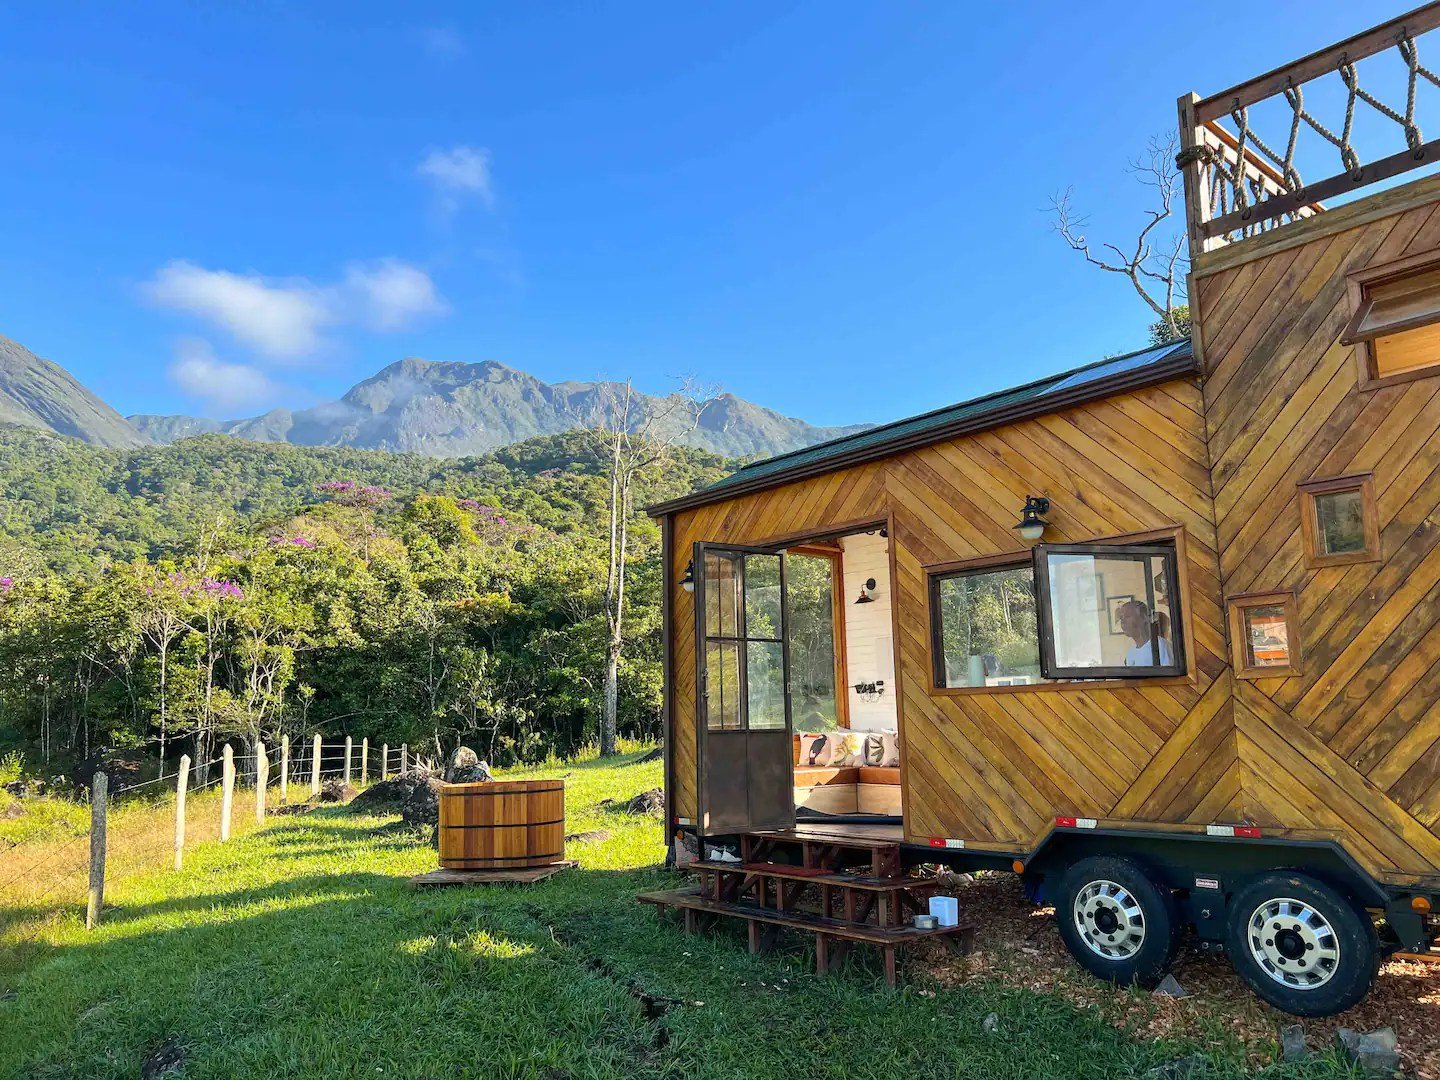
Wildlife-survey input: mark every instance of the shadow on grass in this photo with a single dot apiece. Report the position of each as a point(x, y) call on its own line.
point(360, 974)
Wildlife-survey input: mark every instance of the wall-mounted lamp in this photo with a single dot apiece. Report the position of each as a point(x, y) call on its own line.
point(688, 581)
point(867, 592)
point(1032, 518)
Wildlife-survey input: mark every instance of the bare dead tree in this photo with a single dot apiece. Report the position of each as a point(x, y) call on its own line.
point(1157, 262)
point(634, 432)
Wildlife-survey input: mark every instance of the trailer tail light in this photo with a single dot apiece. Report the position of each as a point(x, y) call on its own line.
point(1420, 904)
point(1245, 832)
point(945, 842)
point(1075, 822)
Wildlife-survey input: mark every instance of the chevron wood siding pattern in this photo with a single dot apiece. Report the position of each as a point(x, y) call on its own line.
point(997, 767)
point(1350, 745)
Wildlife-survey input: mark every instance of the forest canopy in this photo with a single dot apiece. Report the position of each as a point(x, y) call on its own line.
point(164, 599)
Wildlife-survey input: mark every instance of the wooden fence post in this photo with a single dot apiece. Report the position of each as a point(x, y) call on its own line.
point(315, 769)
point(404, 758)
point(385, 761)
point(364, 761)
point(284, 768)
point(182, 785)
point(262, 780)
point(227, 792)
point(347, 758)
point(99, 788)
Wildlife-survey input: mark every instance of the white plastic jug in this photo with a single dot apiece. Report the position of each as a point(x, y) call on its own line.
point(946, 909)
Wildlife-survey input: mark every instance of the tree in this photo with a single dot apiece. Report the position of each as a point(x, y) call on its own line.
point(1156, 263)
point(633, 438)
point(1164, 331)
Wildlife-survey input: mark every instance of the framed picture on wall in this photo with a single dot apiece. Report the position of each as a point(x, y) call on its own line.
point(1114, 604)
point(1090, 592)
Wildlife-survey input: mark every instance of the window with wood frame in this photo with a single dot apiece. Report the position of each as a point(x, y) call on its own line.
point(1395, 320)
point(1338, 520)
point(984, 630)
point(1068, 612)
point(1109, 610)
point(1264, 635)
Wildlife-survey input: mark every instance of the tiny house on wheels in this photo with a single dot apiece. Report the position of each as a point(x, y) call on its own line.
point(1160, 634)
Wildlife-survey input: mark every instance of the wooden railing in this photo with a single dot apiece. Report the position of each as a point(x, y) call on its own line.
point(1237, 184)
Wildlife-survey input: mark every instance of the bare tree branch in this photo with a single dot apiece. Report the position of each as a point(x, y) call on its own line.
point(1157, 276)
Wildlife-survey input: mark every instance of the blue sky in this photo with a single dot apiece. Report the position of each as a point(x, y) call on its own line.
point(834, 209)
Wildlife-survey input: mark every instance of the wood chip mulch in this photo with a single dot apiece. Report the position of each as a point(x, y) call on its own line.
point(1019, 945)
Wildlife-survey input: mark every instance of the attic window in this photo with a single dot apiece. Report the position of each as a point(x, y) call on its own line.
point(1395, 320)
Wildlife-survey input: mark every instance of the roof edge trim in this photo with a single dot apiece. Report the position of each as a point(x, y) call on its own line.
point(1164, 370)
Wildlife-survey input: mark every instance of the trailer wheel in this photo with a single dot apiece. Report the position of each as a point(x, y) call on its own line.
point(1301, 945)
point(1117, 923)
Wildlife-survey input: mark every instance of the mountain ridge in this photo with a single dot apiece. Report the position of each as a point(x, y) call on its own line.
point(39, 393)
point(453, 408)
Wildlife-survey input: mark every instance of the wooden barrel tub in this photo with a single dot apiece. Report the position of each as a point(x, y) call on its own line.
point(502, 825)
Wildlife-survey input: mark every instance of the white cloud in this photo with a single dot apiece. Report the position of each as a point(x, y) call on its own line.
point(457, 174)
point(227, 388)
point(443, 42)
point(389, 294)
point(283, 321)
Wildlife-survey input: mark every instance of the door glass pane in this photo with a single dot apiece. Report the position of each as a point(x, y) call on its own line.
point(1111, 611)
point(810, 589)
point(1267, 636)
point(722, 594)
point(988, 629)
point(765, 689)
point(762, 596)
point(1340, 522)
point(722, 685)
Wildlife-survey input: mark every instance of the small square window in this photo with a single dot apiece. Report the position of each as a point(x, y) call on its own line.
point(1395, 320)
point(1338, 520)
point(1263, 639)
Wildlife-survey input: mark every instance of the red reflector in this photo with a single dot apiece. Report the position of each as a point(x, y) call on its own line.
point(1065, 822)
point(1247, 831)
point(937, 841)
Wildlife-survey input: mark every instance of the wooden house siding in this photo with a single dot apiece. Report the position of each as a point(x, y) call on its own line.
point(997, 767)
point(1352, 744)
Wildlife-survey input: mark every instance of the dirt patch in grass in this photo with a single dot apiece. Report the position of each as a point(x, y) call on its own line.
point(1019, 945)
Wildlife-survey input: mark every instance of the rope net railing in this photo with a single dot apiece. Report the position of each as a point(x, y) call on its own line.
point(1243, 149)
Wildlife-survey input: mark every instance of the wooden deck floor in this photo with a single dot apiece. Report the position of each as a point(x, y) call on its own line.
point(825, 830)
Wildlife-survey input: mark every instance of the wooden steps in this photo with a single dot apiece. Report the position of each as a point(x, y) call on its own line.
point(832, 935)
point(891, 900)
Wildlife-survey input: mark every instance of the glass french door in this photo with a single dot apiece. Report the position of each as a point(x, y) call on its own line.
point(743, 689)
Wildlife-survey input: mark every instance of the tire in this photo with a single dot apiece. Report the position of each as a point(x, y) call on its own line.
point(1117, 923)
point(1301, 945)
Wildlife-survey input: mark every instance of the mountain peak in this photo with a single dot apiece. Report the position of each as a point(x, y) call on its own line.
point(40, 394)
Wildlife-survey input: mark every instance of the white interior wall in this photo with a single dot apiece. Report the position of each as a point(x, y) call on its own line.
point(869, 651)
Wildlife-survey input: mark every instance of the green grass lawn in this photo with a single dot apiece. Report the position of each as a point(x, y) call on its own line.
point(301, 951)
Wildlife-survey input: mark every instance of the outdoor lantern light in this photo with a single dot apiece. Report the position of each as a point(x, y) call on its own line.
point(1032, 518)
point(688, 581)
point(867, 592)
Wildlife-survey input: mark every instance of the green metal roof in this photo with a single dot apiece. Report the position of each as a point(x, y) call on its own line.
point(1111, 375)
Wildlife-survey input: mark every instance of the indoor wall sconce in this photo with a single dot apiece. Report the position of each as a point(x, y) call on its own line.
point(688, 581)
point(1032, 518)
point(867, 592)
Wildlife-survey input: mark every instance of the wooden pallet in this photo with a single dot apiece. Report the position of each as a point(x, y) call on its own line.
point(832, 936)
point(526, 875)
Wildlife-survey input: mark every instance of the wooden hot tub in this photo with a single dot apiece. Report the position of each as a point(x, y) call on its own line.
point(505, 824)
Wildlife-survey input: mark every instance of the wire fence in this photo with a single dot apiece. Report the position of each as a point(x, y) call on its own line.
point(149, 825)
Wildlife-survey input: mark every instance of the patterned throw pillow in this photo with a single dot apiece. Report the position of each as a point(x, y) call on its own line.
point(882, 749)
point(815, 749)
point(848, 749)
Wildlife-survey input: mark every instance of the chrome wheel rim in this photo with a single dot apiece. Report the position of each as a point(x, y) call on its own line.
point(1293, 943)
point(1109, 920)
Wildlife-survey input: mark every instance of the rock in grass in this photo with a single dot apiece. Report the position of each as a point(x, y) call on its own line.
point(594, 836)
point(991, 1023)
point(647, 802)
point(1193, 1067)
point(336, 791)
point(1292, 1043)
point(479, 773)
point(167, 1058)
point(1170, 987)
point(1376, 1051)
point(462, 758)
